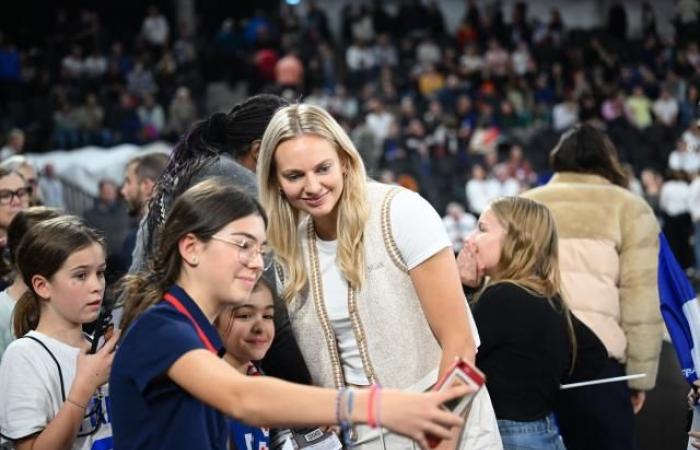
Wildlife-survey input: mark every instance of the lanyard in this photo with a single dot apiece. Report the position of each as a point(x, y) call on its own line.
point(168, 297)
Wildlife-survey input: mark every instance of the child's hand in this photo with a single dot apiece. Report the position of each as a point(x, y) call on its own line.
point(416, 415)
point(93, 370)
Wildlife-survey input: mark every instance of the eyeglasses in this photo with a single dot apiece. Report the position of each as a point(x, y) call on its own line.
point(248, 249)
point(6, 195)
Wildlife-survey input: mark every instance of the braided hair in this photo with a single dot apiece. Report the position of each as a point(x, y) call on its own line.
point(229, 133)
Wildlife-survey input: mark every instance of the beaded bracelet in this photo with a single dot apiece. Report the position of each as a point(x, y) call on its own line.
point(338, 402)
point(343, 413)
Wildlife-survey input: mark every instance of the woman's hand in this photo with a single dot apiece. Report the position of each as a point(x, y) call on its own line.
point(471, 272)
point(417, 415)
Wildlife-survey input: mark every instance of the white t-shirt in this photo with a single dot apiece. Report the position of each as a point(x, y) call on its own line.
point(31, 394)
point(674, 197)
point(7, 305)
point(692, 140)
point(694, 199)
point(666, 110)
point(687, 161)
point(155, 29)
point(419, 234)
point(480, 193)
point(379, 124)
point(564, 115)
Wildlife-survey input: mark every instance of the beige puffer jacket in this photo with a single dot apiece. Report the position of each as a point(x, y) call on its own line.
point(608, 250)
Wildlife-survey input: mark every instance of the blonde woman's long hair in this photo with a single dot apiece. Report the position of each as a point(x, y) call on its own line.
point(353, 210)
point(530, 254)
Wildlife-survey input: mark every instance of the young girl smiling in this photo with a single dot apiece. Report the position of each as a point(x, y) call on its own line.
point(247, 331)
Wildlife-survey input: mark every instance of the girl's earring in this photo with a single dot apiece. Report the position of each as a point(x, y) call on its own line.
point(194, 261)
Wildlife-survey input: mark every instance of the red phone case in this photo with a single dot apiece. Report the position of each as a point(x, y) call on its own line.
point(463, 372)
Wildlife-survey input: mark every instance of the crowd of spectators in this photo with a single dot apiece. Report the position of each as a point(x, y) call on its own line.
point(460, 116)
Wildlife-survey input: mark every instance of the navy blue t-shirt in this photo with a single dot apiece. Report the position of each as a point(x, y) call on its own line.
point(149, 411)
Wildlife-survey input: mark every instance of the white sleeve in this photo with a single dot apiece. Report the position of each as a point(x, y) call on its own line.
point(420, 234)
point(25, 403)
point(417, 228)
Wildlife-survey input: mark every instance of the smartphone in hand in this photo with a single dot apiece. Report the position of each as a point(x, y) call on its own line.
point(461, 373)
point(103, 329)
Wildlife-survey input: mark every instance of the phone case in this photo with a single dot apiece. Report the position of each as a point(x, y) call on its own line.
point(461, 372)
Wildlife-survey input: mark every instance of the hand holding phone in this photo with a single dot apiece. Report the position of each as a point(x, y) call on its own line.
point(103, 329)
point(461, 373)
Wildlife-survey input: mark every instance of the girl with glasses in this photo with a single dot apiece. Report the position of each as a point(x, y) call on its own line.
point(170, 387)
point(52, 393)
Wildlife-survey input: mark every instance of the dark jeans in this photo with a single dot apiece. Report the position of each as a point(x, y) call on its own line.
point(598, 417)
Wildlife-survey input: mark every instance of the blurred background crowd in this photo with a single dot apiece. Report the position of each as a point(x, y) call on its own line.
point(461, 114)
point(461, 107)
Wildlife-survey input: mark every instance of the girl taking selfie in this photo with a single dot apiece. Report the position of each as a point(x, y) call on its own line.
point(171, 388)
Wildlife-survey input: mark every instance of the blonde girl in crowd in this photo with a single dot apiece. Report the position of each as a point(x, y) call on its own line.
point(52, 394)
point(170, 387)
point(367, 270)
point(530, 342)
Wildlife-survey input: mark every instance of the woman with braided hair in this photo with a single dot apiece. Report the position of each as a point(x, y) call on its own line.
point(224, 145)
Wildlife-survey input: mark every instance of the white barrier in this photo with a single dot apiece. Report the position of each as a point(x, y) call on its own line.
point(84, 167)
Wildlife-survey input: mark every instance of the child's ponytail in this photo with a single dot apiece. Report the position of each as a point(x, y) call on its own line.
point(26, 313)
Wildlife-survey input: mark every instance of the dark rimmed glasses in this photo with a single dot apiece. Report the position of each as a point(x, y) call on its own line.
point(7, 195)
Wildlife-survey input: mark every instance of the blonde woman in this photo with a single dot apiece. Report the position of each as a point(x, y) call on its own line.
point(529, 346)
point(367, 270)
